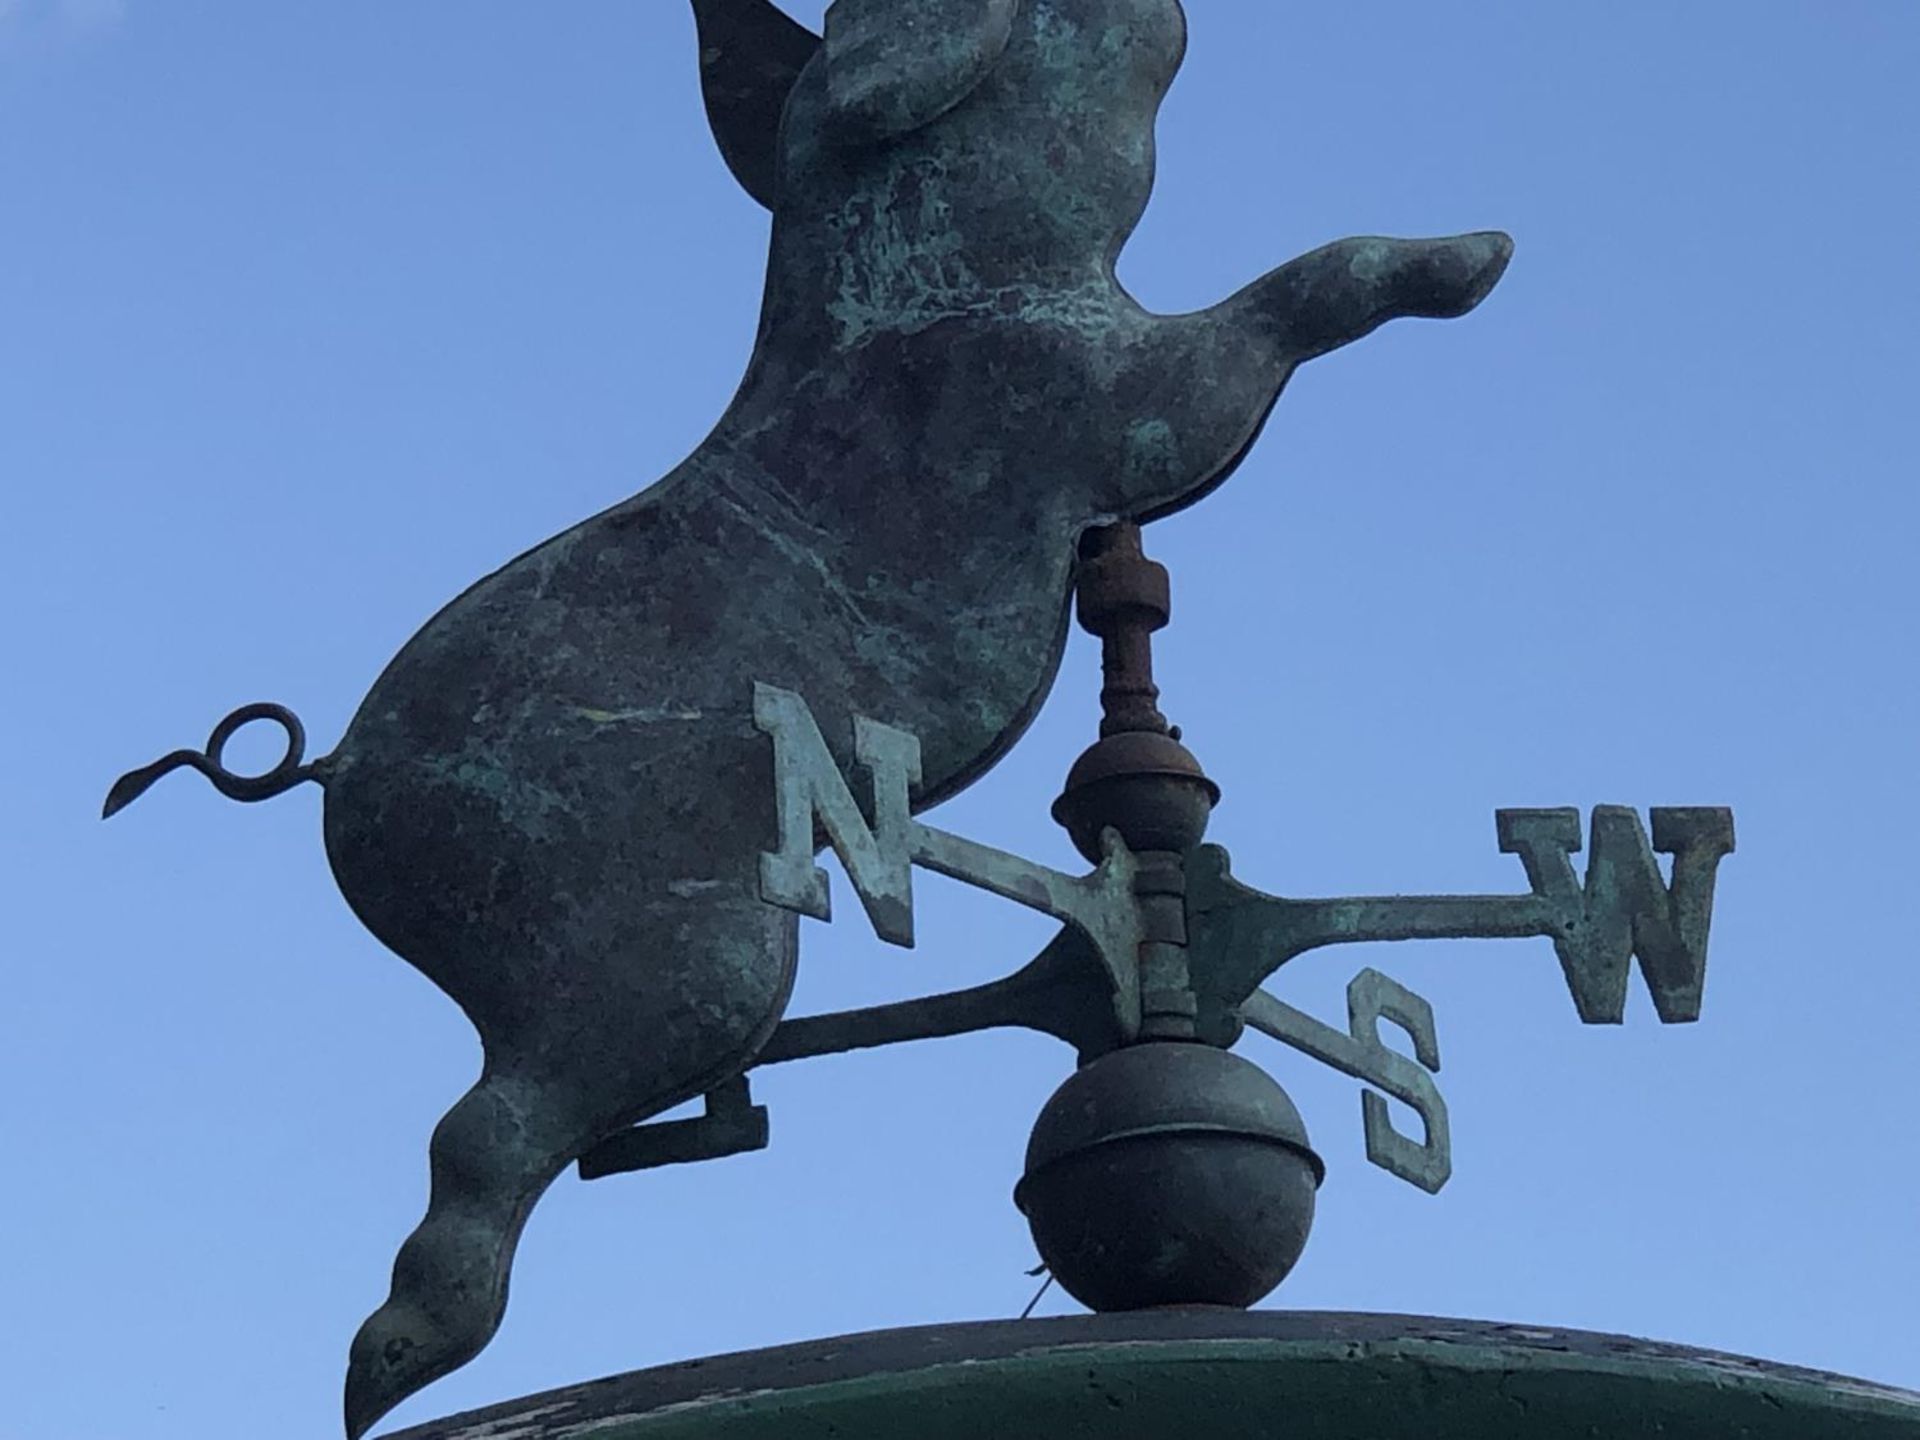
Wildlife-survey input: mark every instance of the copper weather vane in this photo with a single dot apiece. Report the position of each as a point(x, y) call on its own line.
point(586, 798)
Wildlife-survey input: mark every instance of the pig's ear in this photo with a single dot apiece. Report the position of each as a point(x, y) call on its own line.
point(750, 56)
point(895, 65)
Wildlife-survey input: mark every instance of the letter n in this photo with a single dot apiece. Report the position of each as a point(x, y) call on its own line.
point(810, 791)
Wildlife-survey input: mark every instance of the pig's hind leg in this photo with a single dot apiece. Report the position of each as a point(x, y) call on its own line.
point(638, 1042)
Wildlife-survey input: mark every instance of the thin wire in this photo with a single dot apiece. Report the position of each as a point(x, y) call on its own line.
point(1026, 1313)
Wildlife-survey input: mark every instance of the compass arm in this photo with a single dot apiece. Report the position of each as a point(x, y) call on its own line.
point(813, 797)
point(1061, 992)
point(1418, 917)
point(1100, 906)
point(1241, 936)
point(1360, 1053)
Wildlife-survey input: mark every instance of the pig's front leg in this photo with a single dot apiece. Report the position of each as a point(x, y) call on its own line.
point(1201, 385)
point(1334, 295)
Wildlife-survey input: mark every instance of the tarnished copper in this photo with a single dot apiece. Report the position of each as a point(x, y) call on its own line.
point(1137, 778)
point(587, 798)
point(1169, 1174)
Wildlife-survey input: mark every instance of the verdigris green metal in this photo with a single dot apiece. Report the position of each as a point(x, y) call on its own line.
point(1201, 942)
point(1169, 1173)
point(554, 800)
point(1220, 1375)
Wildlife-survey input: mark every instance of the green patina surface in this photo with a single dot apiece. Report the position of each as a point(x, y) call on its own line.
point(1309, 1378)
point(948, 388)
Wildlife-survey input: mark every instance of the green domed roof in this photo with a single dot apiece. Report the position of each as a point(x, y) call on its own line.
point(1211, 1375)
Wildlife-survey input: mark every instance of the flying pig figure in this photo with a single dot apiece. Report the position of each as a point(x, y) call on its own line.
point(555, 799)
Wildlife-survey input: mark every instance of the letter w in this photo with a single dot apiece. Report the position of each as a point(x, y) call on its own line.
point(809, 788)
point(1626, 908)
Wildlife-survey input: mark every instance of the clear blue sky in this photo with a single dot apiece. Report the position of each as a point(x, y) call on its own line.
point(311, 314)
